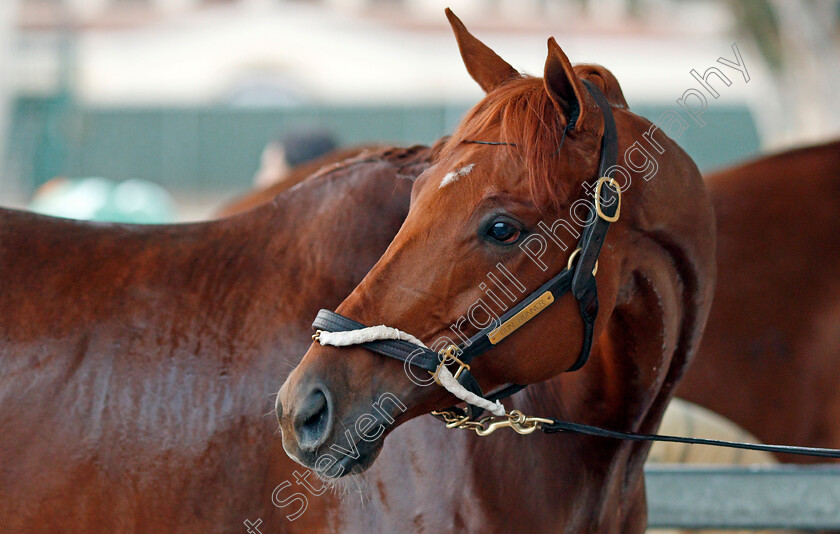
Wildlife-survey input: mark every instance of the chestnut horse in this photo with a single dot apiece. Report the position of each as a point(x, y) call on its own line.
point(130, 354)
point(770, 356)
point(522, 156)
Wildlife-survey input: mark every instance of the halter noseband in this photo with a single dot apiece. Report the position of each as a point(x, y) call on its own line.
point(577, 278)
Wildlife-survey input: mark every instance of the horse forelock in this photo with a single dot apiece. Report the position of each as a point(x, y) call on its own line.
point(521, 114)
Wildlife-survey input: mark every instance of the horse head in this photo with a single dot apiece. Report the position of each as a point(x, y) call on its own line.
point(503, 209)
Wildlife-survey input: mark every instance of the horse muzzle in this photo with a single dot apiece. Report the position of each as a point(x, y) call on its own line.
point(330, 437)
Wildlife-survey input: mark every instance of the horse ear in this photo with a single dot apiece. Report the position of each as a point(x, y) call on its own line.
point(484, 65)
point(564, 87)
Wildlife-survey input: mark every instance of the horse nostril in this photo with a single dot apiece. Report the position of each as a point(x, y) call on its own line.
point(313, 419)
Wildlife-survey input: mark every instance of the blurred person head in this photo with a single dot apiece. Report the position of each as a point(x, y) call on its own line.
point(285, 153)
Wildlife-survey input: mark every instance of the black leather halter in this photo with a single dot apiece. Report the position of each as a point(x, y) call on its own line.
point(578, 278)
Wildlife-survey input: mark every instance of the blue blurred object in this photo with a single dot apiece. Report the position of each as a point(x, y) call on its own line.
point(100, 199)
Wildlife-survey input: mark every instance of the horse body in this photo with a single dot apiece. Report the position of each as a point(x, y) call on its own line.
point(130, 355)
point(770, 356)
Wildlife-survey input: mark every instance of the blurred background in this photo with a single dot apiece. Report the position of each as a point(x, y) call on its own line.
point(170, 104)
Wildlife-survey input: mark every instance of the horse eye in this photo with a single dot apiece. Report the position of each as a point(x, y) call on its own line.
point(504, 232)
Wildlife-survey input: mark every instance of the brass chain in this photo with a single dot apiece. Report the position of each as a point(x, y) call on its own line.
point(518, 421)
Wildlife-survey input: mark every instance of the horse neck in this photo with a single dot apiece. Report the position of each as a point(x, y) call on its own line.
point(562, 479)
point(620, 388)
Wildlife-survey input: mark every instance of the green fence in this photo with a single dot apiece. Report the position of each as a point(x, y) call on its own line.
point(217, 148)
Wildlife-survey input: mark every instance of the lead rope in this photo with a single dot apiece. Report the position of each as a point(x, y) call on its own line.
point(443, 375)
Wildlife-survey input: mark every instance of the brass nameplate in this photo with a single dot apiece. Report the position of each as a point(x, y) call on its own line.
point(526, 314)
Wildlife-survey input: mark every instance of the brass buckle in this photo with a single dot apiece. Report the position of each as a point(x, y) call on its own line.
point(316, 337)
point(449, 355)
point(572, 260)
point(598, 185)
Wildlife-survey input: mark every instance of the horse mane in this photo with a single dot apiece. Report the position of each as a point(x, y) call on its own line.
point(534, 130)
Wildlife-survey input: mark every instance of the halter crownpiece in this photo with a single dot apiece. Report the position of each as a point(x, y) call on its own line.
point(577, 278)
